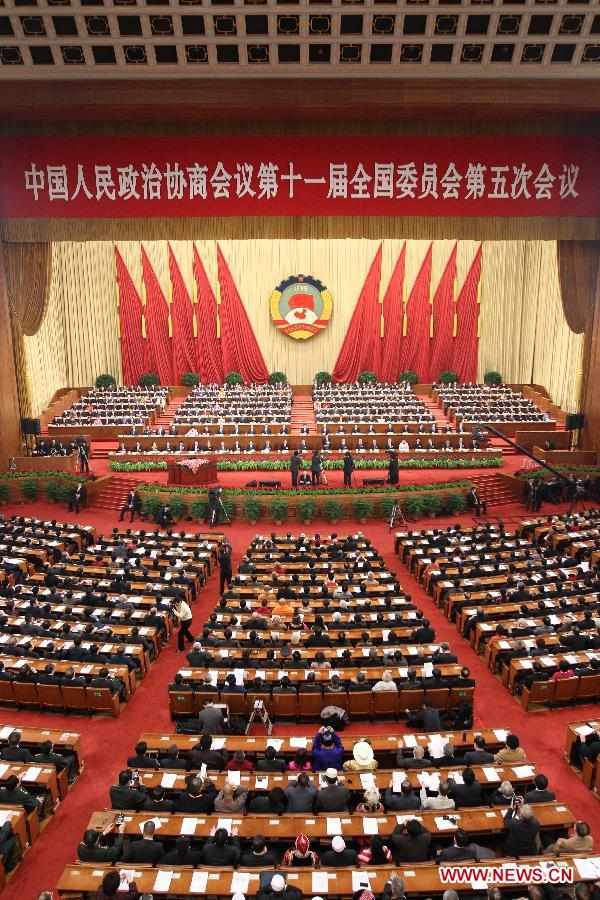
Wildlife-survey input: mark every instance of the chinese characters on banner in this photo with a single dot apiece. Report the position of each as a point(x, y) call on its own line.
point(105, 177)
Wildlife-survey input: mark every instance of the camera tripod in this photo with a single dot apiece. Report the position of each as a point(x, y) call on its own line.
point(214, 512)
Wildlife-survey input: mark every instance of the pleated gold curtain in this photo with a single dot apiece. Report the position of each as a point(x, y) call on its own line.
point(27, 268)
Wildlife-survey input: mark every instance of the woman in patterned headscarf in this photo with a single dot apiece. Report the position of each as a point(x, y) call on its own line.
point(300, 854)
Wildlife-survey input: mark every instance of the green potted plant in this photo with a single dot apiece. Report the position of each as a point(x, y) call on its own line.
point(492, 378)
point(252, 510)
point(4, 492)
point(149, 379)
point(307, 509)
point(150, 505)
point(277, 378)
point(278, 510)
point(333, 510)
point(432, 504)
point(51, 490)
point(455, 502)
point(409, 376)
point(413, 507)
point(386, 505)
point(323, 378)
point(178, 508)
point(233, 378)
point(198, 510)
point(29, 488)
point(362, 509)
point(367, 377)
point(104, 381)
point(190, 379)
point(448, 377)
point(64, 489)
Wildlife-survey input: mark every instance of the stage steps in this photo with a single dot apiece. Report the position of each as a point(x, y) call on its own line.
point(114, 494)
point(302, 413)
point(493, 489)
point(166, 418)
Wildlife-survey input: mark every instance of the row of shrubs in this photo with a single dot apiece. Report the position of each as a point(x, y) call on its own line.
point(307, 509)
point(282, 465)
point(58, 490)
point(192, 379)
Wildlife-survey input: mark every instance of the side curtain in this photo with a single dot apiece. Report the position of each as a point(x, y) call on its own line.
point(358, 353)
point(578, 270)
point(28, 273)
point(10, 430)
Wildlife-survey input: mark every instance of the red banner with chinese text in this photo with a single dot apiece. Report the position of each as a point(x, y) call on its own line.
point(312, 176)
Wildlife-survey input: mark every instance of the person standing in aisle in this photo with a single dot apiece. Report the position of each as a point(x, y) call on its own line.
point(348, 469)
point(183, 613)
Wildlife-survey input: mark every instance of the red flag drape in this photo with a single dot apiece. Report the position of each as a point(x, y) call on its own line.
point(442, 343)
point(414, 355)
point(464, 358)
point(359, 351)
point(239, 348)
point(392, 307)
point(182, 314)
point(133, 357)
point(208, 349)
point(157, 323)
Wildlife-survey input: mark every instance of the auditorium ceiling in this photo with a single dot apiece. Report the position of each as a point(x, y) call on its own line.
point(74, 39)
point(191, 60)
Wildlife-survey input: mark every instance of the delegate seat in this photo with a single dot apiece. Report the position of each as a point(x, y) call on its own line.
point(539, 692)
point(588, 688)
point(458, 696)
point(385, 703)
point(411, 700)
point(360, 704)
point(7, 695)
point(75, 698)
point(310, 705)
point(181, 703)
point(50, 696)
point(103, 700)
point(25, 693)
point(285, 706)
point(566, 690)
point(235, 703)
point(439, 698)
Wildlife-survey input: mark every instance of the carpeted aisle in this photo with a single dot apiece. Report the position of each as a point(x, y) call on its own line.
point(108, 742)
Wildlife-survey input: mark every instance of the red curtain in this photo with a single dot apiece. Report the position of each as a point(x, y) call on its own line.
point(442, 343)
point(133, 345)
point(415, 345)
point(208, 349)
point(464, 358)
point(182, 313)
point(392, 306)
point(157, 324)
point(239, 348)
point(361, 348)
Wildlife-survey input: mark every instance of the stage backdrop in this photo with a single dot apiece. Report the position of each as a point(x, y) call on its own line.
point(523, 332)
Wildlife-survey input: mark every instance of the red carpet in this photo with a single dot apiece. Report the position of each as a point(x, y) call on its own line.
point(108, 742)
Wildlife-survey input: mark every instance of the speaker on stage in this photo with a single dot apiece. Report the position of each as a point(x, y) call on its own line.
point(30, 426)
point(575, 421)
